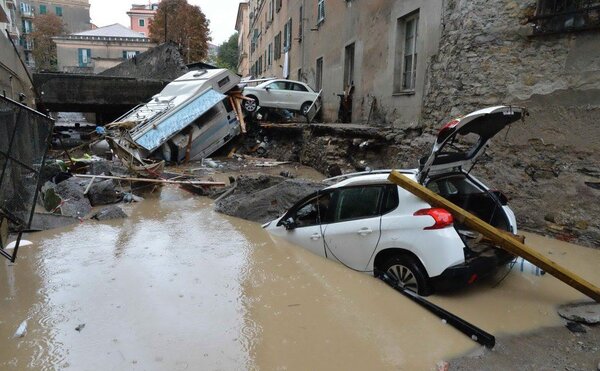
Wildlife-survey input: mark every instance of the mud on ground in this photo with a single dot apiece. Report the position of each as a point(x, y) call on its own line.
point(554, 348)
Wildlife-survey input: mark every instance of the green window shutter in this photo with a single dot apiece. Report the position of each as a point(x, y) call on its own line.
point(43, 9)
point(58, 11)
point(124, 54)
point(80, 55)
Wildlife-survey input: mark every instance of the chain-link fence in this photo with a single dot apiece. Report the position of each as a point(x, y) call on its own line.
point(24, 138)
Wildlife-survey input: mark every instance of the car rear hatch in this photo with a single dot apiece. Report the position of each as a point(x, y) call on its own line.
point(461, 141)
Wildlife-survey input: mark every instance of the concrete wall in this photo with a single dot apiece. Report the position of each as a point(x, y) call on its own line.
point(104, 54)
point(372, 27)
point(13, 77)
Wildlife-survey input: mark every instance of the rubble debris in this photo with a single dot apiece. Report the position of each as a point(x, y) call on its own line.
point(67, 197)
point(147, 180)
point(129, 197)
point(103, 192)
point(21, 330)
point(11, 245)
point(110, 213)
point(80, 327)
point(575, 327)
point(46, 221)
point(588, 313)
point(263, 198)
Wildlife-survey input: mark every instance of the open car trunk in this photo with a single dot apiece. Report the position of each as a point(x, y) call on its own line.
point(486, 205)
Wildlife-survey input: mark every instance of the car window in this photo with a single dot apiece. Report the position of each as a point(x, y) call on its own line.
point(277, 85)
point(391, 200)
point(312, 211)
point(357, 202)
point(297, 87)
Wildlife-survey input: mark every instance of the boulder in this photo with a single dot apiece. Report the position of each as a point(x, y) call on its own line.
point(588, 313)
point(110, 213)
point(104, 192)
point(72, 200)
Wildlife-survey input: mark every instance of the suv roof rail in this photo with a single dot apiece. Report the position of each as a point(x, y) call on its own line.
point(370, 172)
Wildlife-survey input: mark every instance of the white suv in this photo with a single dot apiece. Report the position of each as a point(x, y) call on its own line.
point(371, 225)
point(282, 94)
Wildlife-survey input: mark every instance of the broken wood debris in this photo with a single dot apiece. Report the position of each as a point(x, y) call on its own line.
point(502, 240)
point(147, 180)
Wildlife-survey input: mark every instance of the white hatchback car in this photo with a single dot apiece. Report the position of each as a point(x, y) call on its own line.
point(373, 226)
point(282, 94)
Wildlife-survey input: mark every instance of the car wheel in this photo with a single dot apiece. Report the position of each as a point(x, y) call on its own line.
point(250, 105)
point(305, 107)
point(409, 273)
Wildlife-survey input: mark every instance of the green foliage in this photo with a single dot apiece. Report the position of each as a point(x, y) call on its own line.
point(227, 57)
point(45, 27)
point(186, 25)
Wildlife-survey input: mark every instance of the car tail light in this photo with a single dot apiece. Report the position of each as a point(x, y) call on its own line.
point(447, 129)
point(442, 217)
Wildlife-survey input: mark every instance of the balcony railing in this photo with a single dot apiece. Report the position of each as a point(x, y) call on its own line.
point(558, 16)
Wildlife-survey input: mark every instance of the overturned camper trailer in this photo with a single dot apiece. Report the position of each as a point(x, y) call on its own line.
point(189, 119)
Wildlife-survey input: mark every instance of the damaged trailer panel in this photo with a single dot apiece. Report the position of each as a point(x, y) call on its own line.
point(190, 119)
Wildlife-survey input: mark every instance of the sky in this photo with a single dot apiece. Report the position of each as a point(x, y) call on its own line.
point(221, 14)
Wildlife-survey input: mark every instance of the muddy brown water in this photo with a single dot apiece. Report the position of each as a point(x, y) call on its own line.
point(178, 286)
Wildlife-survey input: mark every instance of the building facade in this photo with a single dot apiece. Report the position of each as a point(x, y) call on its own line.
point(377, 50)
point(97, 50)
point(74, 13)
point(242, 26)
point(8, 20)
point(140, 16)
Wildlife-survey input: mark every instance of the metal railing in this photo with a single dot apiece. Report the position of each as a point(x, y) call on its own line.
point(558, 16)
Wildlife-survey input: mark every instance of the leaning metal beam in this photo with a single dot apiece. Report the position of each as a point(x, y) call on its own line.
point(503, 240)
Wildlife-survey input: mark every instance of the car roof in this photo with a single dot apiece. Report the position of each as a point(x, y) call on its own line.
point(366, 179)
point(263, 84)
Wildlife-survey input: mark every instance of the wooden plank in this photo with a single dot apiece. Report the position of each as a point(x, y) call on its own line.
point(503, 240)
point(146, 180)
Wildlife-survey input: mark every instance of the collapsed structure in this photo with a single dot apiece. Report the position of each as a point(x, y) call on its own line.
point(189, 119)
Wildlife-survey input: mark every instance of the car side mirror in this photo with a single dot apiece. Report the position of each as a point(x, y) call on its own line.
point(268, 88)
point(289, 223)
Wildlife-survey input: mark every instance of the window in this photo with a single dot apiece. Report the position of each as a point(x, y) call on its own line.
point(391, 200)
point(299, 74)
point(277, 48)
point(142, 22)
point(270, 55)
point(27, 26)
point(349, 66)
point(43, 9)
point(271, 11)
point(555, 16)
point(296, 87)
point(278, 6)
point(319, 75)
point(287, 36)
point(301, 24)
point(405, 69)
point(85, 56)
point(58, 11)
point(316, 210)
point(277, 85)
point(357, 203)
point(320, 11)
point(128, 54)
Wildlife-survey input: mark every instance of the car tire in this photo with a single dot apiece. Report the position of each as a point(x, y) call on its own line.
point(409, 273)
point(250, 105)
point(304, 108)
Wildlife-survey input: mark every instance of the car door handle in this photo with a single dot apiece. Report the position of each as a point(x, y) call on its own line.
point(365, 231)
point(315, 236)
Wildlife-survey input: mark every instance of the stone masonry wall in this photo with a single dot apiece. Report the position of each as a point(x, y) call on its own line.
point(549, 165)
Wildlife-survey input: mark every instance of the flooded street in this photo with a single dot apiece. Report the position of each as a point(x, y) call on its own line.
point(177, 286)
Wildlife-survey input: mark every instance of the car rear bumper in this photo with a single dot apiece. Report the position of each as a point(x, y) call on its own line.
point(465, 274)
